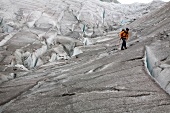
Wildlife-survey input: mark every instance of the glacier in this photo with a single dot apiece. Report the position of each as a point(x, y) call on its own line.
point(63, 56)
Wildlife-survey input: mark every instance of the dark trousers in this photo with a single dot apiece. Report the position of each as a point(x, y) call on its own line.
point(123, 44)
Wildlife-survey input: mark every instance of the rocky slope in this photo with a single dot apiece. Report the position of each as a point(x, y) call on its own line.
point(37, 32)
point(58, 68)
point(102, 79)
point(155, 27)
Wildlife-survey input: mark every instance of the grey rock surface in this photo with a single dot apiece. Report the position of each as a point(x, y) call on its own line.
point(116, 82)
point(32, 31)
point(156, 28)
point(100, 79)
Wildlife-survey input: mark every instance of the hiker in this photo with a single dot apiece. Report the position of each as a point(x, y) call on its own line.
point(124, 36)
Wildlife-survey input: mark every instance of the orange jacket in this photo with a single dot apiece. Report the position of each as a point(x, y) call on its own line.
point(123, 34)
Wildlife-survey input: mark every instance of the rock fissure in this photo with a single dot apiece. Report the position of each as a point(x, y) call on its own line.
point(139, 95)
point(16, 96)
point(137, 58)
point(68, 94)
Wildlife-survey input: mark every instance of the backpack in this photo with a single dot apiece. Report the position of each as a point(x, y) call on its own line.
point(124, 34)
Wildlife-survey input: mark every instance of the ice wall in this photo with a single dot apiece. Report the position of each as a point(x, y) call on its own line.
point(159, 72)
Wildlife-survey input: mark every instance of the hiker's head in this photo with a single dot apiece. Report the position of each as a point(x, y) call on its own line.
point(127, 29)
point(123, 29)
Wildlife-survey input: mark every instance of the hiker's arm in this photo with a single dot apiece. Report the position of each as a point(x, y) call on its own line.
point(120, 35)
point(127, 36)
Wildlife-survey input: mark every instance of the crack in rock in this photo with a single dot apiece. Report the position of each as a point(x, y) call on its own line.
point(20, 93)
point(68, 94)
point(65, 95)
point(98, 68)
point(83, 90)
point(137, 58)
point(16, 96)
point(165, 104)
point(139, 95)
point(164, 58)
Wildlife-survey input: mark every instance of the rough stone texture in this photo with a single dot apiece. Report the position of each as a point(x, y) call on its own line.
point(102, 79)
point(30, 29)
point(117, 82)
point(156, 27)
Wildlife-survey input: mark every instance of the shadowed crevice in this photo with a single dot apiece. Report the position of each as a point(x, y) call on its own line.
point(137, 58)
point(139, 95)
point(68, 94)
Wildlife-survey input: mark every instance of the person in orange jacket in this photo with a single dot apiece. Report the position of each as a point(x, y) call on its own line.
point(124, 34)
